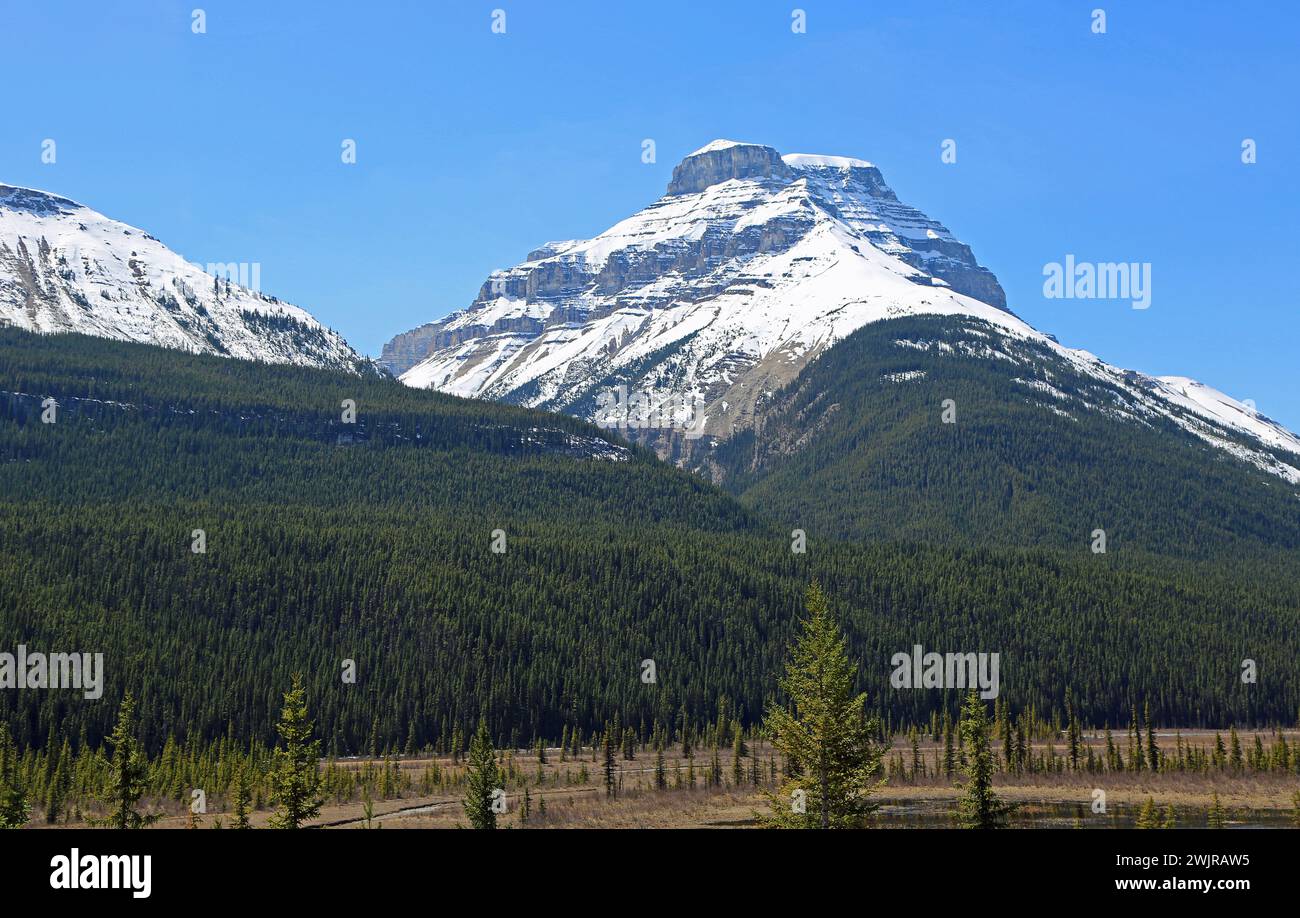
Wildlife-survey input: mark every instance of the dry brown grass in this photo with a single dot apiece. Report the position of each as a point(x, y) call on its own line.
point(571, 804)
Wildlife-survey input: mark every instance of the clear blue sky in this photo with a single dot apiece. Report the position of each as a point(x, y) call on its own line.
point(474, 148)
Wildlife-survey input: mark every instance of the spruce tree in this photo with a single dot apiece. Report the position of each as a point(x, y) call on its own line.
point(59, 782)
point(609, 765)
point(1074, 737)
point(128, 775)
point(14, 808)
point(457, 743)
point(979, 807)
point(1147, 817)
point(1153, 751)
point(243, 796)
point(1217, 817)
point(824, 735)
point(295, 771)
point(484, 780)
point(1136, 756)
point(949, 748)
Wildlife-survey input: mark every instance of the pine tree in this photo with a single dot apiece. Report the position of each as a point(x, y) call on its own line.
point(483, 782)
point(367, 808)
point(1234, 758)
point(243, 796)
point(1217, 817)
point(661, 772)
point(457, 743)
point(949, 747)
point(609, 765)
point(1074, 738)
point(738, 760)
point(1147, 817)
point(14, 809)
point(1136, 757)
point(1153, 751)
point(60, 781)
point(128, 775)
point(979, 807)
point(295, 772)
point(824, 735)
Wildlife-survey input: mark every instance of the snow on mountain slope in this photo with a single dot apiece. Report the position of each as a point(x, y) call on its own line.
point(723, 290)
point(66, 268)
point(1216, 406)
point(718, 292)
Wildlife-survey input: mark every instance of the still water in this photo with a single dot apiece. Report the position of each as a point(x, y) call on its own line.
point(925, 814)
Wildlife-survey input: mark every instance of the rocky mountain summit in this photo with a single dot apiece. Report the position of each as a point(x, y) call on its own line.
point(750, 265)
point(681, 324)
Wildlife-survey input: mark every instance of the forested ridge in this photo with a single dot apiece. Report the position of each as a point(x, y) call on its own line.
point(1037, 454)
point(372, 542)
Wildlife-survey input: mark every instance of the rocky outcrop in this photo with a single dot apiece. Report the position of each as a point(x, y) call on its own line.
point(407, 349)
point(724, 160)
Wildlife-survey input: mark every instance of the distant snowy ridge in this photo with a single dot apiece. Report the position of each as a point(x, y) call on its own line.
point(67, 268)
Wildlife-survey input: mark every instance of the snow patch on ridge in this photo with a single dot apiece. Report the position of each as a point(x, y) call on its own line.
point(806, 160)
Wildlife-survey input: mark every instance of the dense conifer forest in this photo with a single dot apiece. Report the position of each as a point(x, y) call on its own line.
point(856, 447)
point(373, 542)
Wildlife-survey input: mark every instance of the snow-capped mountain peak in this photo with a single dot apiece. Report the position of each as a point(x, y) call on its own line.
point(67, 268)
point(750, 265)
point(718, 294)
point(748, 255)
